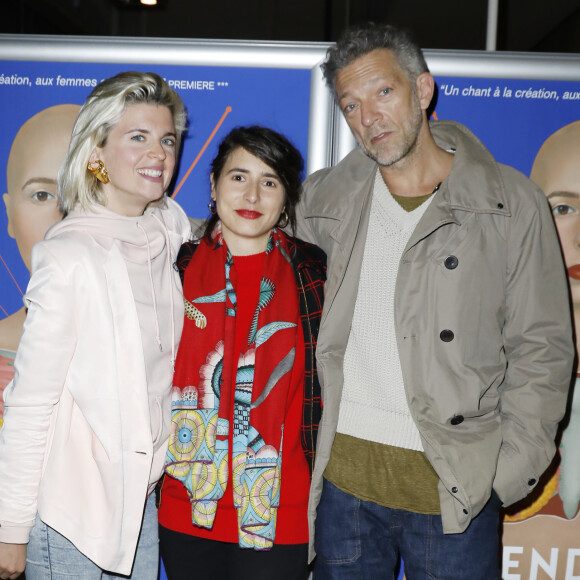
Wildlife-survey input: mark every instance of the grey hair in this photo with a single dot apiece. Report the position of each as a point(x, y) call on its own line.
point(100, 113)
point(359, 40)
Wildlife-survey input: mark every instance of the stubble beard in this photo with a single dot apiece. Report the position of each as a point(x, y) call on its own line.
point(409, 137)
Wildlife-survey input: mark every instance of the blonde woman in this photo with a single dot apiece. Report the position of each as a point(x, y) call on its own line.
point(87, 415)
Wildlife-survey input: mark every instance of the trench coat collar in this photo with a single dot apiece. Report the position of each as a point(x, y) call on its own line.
point(475, 184)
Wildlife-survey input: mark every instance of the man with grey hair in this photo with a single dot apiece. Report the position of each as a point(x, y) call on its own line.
point(445, 351)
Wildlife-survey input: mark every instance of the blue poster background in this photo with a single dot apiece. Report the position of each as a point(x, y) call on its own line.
point(511, 117)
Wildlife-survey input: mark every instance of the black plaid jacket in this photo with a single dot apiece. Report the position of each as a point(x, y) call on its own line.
point(309, 264)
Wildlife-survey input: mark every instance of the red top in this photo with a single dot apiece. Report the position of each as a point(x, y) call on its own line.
point(291, 525)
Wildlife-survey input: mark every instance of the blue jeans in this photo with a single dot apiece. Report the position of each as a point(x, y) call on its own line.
point(358, 540)
point(51, 556)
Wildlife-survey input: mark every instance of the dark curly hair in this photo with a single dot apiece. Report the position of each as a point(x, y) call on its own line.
point(275, 151)
point(359, 40)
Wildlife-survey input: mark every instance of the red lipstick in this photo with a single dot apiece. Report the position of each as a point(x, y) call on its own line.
point(248, 214)
point(574, 272)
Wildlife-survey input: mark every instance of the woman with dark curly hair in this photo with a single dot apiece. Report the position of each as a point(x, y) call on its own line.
point(246, 401)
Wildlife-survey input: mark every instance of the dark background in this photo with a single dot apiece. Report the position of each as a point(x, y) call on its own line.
point(523, 25)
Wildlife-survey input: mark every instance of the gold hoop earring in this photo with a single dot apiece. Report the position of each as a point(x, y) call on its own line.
point(284, 219)
point(99, 172)
point(212, 206)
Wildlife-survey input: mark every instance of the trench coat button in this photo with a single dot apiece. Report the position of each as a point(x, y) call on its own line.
point(457, 420)
point(446, 335)
point(531, 481)
point(454, 489)
point(465, 511)
point(500, 205)
point(451, 262)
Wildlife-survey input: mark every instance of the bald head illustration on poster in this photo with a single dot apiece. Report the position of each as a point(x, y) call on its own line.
point(30, 200)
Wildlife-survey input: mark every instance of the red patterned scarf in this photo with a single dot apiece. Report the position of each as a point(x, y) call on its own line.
point(209, 401)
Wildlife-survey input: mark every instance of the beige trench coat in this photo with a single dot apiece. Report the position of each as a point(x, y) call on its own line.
point(482, 320)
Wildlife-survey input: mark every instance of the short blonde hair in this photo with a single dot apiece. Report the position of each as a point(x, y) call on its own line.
point(100, 113)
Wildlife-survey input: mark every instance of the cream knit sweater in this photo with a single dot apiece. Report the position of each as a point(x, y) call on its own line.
point(373, 404)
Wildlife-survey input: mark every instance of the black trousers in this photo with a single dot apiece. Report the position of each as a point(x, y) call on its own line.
point(187, 557)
